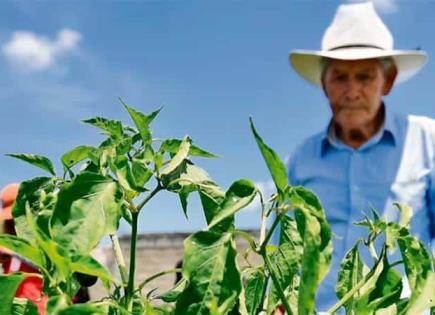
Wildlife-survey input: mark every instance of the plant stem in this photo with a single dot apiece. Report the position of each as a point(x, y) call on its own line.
point(269, 234)
point(155, 276)
point(263, 300)
point(372, 251)
point(131, 273)
point(358, 286)
point(276, 283)
point(347, 296)
point(147, 198)
point(119, 258)
point(263, 219)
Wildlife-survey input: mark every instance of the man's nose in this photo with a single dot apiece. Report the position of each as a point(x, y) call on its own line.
point(353, 89)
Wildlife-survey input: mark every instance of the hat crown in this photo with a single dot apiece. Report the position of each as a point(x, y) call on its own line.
point(357, 25)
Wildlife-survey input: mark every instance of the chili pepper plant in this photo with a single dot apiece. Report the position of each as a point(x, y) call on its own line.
point(60, 218)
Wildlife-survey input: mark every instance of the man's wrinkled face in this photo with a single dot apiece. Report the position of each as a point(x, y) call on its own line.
point(355, 89)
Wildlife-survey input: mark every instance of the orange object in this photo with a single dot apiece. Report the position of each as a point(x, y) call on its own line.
point(8, 196)
point(31, 287)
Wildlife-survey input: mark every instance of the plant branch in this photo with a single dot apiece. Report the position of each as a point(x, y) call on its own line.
point(131, 273)
point(269, 234)
point(276, 283)
point(119, 257)
point(352, 291)
point(263, 219)
point(264, 297)
point(155, 276)
point(372, 251)
point(148, 198)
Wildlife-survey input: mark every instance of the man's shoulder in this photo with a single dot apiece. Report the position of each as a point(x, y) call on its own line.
point(423, 122)
point(421, 126)
point(415, 128)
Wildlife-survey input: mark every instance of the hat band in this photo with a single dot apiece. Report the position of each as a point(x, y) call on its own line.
point(355, 46)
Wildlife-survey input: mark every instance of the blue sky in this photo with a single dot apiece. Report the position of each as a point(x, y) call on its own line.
point(211, 64)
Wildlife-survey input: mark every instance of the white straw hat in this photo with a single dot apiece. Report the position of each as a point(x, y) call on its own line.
point(356, 32)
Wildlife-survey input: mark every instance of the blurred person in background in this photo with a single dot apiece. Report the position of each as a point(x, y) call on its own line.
point(367, 156)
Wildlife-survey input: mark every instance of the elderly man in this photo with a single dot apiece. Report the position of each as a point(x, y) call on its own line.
point(367, 156)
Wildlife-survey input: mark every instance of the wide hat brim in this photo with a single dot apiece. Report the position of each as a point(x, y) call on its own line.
point(308, 63)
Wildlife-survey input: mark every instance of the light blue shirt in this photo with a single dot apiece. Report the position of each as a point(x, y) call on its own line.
point(396, 165)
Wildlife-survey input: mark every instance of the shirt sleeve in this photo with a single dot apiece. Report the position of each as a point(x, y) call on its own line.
point(431, 189)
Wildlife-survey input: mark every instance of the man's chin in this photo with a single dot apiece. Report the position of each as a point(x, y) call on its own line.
point(352, 122)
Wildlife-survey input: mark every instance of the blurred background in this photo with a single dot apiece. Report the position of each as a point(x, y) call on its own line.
point(210, 64)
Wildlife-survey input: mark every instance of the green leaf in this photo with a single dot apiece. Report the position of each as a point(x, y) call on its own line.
point(57, 303)
point(88, 199)
point(254, 288)
point(350, 274)
point(31, 192)
point(173, 145)
point(176, 161)
point(370, 282)
point(144, 156)
point(55, 253)
point(84, 309)
point(388, 288)
point(123, 146)
point(224, 308)
point(239, 195)
point(183, 195)
point(275, 165)
point(287, 259)
point(142, 122)
point(189, 178)
point(311, 264)
point(76, 155)
point(88, 265)
point(209, 266)
point(416, 260)
point(418, 265)
point(36, 160)
point(126, 214)
point(113, 128)
point(390, 310)
point(141, 174)
point(405, 214)
point(124, 174)
point(304, 198)
point(173, 294)
point(22, 306)
point(426, 297)
point(9, 285)
point(392, 233)
point(23, 248)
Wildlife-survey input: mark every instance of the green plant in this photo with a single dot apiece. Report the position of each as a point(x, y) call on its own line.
point(60, 219)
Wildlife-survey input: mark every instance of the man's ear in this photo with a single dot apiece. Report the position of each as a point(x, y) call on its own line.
point(390, 77)
point(323, 88)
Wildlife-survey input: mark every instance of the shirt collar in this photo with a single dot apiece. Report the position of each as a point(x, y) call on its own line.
point(388, 134)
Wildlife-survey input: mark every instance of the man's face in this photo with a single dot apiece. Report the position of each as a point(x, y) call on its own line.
point(355, 89)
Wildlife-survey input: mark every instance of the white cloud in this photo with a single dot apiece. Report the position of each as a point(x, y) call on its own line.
point(382, 6)
point(32, 52)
